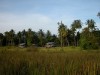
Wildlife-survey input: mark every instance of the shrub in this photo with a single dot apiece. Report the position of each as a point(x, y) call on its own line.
point(88, 43)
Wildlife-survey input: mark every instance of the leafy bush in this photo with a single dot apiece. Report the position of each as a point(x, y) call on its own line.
point(89, 43)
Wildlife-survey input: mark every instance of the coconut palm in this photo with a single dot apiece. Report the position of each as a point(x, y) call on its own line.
point(7, 36)
point(77, 24)
point(19, 36)
point(12, 34)
point(41, 37)
point(48, 36)
point(1, 39)
point(24, 36)
point(29, 36)
point(62, 30)
point(98, 14)
point(91, 25)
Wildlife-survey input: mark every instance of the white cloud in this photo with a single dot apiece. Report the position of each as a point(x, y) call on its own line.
point(24, 21)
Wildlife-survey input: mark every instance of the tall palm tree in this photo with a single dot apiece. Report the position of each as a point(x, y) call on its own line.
point(41, 37)
point(29, 36)
point(1, 39)
point(7, 36)
point(91, 25)
point(24, 36)
point(91, 28)
point(19, 36)
point(12, 34)
point(85, 32)
point(98, 14)
point(48, 36)
point(62, 30)
point(77, 24)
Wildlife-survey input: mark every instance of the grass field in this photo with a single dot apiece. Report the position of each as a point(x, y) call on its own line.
point(49, 61)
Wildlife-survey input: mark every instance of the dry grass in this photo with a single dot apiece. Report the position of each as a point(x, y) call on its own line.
point(28, 61)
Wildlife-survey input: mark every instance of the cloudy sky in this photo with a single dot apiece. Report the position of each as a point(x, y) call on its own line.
point(44, 14)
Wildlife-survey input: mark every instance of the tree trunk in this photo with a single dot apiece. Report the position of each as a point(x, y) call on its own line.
point(67, 42)
point(61, 40)
point(74, 40)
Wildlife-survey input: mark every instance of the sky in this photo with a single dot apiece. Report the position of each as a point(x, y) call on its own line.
point(45, 14)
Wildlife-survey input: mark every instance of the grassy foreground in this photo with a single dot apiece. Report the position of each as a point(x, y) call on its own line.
point(48, 61)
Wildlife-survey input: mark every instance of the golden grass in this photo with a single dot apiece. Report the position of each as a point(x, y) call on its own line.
point(52, 61)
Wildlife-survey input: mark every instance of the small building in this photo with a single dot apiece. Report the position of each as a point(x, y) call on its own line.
point(50, 44)
point(22, 45)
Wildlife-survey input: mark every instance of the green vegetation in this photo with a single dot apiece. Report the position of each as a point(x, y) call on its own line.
point(88, 38)
point(76, 53)
point(48, 61)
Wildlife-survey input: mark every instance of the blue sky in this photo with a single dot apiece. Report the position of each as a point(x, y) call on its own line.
point(44, 14)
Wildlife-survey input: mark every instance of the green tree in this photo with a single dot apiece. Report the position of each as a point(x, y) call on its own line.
point(10, 37)
point(62, 30)
point(41, 37)
point(91, 25)
point(29, 36)
point(69, 37)
point(89, 40)
point(55, 39)
point(35, 39)
point(19, 36)
point(77, 24)
point(1, 39)
point(48, 36)
point(7, 37)
point(24, 34)
point(98, 14)
point(12, 34)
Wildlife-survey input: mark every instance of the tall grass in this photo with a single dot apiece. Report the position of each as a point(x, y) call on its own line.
point(49, 63)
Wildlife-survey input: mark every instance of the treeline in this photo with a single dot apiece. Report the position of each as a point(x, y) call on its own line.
point(88, 38)
point(10, 38)
point(40, 38)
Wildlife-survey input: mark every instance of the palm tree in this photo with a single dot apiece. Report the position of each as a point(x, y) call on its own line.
point(1, 39)
point(91, 25)
point(85, 33)
point(7, 36)
point(98, 14)
point(41, 37)
point(19, 36)
point(29, 36)
point(29, 32)
point(12, 34)
point(24, 36)
point(62, 30)
point(48, 36)
point(69, 34)
point(77, 24)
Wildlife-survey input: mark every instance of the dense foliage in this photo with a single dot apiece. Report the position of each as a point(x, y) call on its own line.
point(10, 38)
